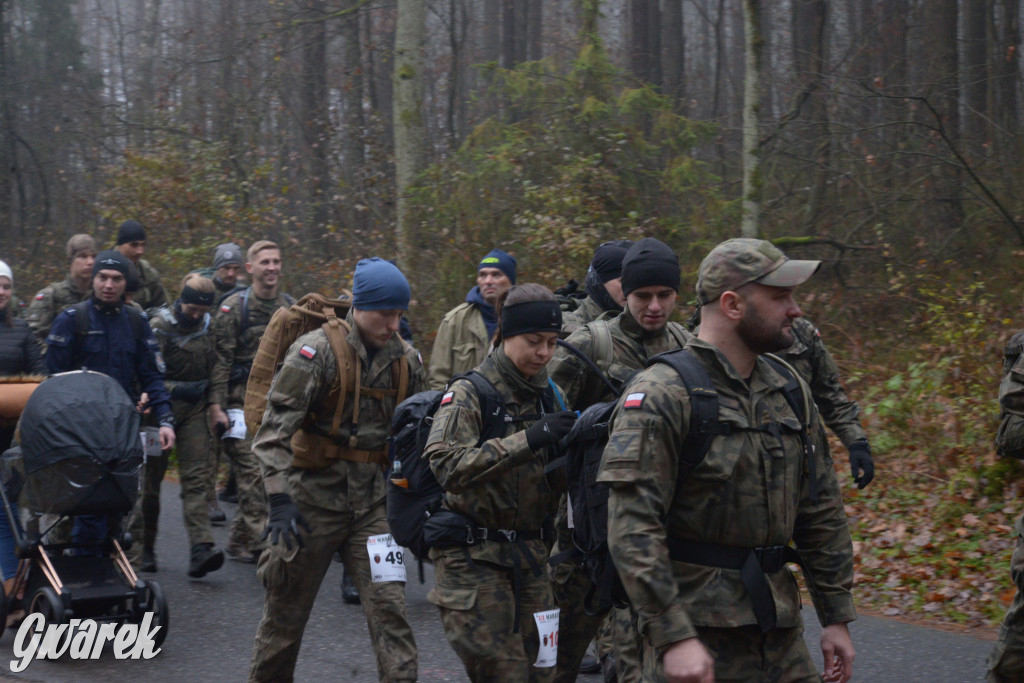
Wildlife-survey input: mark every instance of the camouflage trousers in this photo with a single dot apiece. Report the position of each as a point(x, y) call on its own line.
point(478, 612)
point(216, 451)
point(576, 628)
point(745, 654)
point(1006, 662)
point(292, 580)
point(251, 516)
point(627, 644)
point(193, 448)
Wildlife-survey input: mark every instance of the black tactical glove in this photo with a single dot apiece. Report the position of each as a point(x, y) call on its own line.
point(549, 429)
point(284, 521)
point(860, 459)
point(190, 392)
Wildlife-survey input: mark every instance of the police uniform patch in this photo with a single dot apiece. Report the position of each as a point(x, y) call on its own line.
point(447, 398)
point(634, 400)
point(307, 352)
point(225, 308)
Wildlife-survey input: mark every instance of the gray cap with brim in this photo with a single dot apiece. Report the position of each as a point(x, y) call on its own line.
point(740, 261)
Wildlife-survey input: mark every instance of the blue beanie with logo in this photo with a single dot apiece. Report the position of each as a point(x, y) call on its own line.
point(379, 285)
point(496, 258)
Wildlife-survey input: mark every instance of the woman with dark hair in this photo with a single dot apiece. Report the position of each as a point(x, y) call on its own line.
point(20, 350)
point(491, 588)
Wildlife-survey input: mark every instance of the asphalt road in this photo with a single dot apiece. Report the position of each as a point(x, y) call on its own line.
point(213, 621)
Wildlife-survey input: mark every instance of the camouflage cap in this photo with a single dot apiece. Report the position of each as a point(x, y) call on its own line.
point(80, 244)
point(737, 262)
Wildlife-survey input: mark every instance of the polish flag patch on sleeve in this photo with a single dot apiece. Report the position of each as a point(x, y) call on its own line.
point(225, 309)
point(307, 352)
point(634, 400)
point(39, 296)
point(447, 398)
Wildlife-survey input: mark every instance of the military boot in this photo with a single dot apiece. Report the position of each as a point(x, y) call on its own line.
point(205, 559)
point(148, 563)
point(349, 593)
point(216, 515)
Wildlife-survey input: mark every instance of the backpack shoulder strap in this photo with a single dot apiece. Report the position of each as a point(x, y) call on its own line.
point(337, 330)
point(492, 405)
point(678, 333)
point(704, 424)
point(245, 312)
point(796, 396)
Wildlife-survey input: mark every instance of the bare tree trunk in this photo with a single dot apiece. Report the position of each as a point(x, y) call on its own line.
point(7, 154)
point(1008, 67)
point(977, 15)
point(673, 50)
point(534, 29)
point(410, 130)
point(752, 182)
point(353, 121)
point(315, 130)
point(941, 90)
point(645, 41)
point(809, 22)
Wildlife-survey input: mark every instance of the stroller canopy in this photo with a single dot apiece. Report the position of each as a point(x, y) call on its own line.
point(80, 445)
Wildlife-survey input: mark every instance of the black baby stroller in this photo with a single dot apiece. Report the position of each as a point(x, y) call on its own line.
point(80, 454)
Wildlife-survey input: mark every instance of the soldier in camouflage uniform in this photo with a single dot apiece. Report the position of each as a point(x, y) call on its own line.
point(238, 326)
point(131, 241)
point(679, 542)
point(334, 488)
point(189, 348)
point(56, 296)
point(603, 287)
point(1006, 662)
point(489, 592)
point(464, 335)
point(620, 347)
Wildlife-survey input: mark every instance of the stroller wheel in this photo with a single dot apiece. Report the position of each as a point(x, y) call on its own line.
point(149, 597)
point(46, 602)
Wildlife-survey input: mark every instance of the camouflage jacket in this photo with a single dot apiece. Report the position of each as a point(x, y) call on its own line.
point(1010, 437)
point(151, 292)
point(461, 345)
point(812, 360)
point(49, 301)
point(588, 311)
point(619, 346)
point(751, 490)
point(499, 484)
point(304, 394)
point(188, 355)
point(237, 347)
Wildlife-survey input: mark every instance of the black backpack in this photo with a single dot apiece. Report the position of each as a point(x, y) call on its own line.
point(570, 296)
point(589, 498)
point(415, 514)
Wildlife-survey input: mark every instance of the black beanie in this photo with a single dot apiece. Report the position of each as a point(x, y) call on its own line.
point(607, 261)
point(650, 262)
point(111, 259)
point(130, 231)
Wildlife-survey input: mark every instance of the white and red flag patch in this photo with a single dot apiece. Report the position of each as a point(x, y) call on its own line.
point(225, 308)
point(307, 351)
point(634, 400)
point(447, 398)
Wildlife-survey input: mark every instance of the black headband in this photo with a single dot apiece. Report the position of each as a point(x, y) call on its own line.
point(531, 316)
point(192, 296)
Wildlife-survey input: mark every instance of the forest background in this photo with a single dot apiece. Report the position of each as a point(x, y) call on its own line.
point(881, 136)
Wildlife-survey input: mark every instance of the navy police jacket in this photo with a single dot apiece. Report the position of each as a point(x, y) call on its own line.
point(110, 346)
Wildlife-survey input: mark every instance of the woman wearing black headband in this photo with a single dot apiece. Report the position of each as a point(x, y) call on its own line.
point(488, 447)
point(189, 350)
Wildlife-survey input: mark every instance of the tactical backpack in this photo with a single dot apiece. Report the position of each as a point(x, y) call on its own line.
point(570, 296)
point(588, 498)
point(311, 312)
point(415, 514)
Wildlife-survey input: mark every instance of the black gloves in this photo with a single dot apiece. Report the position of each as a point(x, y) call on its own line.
point(190, 392)
point(860, 459)
point(284, 521)
point(549, 429)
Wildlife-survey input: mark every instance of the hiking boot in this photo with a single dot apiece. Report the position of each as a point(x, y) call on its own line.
point(205, 559)
point(239, 553)
point(216, 515)
point(148, 563)
point(229, 494)
point(349, 594)
point(590, 663)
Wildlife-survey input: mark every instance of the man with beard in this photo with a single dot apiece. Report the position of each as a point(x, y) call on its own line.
point(322, 447)
point(702, 552)
point(131, 242)
point(464, 335)
point(239, 324)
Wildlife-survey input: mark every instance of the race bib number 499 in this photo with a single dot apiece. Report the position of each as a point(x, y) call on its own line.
point(387, 559)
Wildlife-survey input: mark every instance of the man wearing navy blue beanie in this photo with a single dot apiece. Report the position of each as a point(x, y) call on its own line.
point(321, 448)
point(465, 333)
